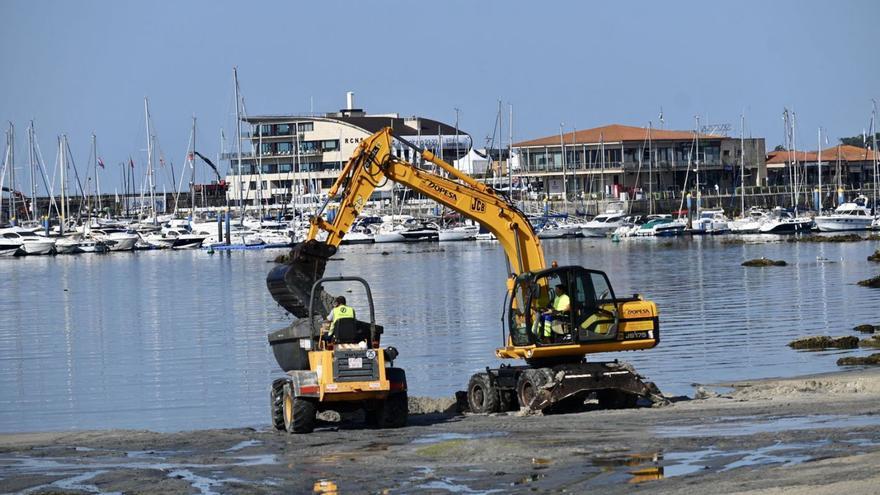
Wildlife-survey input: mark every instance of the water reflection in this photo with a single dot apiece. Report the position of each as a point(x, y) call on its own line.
point(158, 340)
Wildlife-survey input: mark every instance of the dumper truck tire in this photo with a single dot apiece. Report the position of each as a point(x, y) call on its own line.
point(393, 412)
point(276, 403)
point(299, 413)
point(482, 395)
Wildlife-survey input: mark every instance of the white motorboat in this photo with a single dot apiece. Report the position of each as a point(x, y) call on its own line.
point(459, 233)
point(485, 236)
point(848, 216)
point(9, 246)
point(116, 239)
point(602, 225)
point(557, 230)
point(751, 223)
point(661, 226)
point(420, 231)
point(91, 245)
point(68, 244)
point(176, 239)
point(711, 222)
point(30, 243)
point(783, 222)
point(363, 231)
point(388, 232)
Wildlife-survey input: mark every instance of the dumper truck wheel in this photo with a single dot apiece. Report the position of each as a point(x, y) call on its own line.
point(482, 395)
point(393, 412)
point(299, 412)
point(276, 403)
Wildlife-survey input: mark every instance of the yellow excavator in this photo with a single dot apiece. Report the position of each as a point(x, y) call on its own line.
point(554, 315)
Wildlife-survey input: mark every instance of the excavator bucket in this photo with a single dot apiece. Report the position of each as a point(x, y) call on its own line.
point(291, 283)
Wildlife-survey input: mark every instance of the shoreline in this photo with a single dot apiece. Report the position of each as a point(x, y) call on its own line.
point(760, 436)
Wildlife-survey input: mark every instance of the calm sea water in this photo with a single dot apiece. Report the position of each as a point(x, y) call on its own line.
point(177, 340)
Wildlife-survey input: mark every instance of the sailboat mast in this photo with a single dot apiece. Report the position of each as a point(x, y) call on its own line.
point(3, 173)
point(192, 183)
point(650, 171)
point(97, 180)
point(874, 150)
point(33, 170)
point(238, 142)
point(13, 212)
point(150, 160)
point(742, 165)
point(63, 165)
point(819, 169)
point(697, 162)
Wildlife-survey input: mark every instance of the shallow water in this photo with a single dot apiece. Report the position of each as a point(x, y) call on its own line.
point(177, 340)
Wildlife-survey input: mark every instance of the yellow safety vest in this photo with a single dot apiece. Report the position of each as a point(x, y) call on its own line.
point(561, 302)
point(340, 312)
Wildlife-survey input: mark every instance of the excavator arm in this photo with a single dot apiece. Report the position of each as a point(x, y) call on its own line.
point(373, 163)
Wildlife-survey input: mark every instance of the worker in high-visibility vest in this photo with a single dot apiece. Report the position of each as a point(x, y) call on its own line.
point(340, 311)
point(559, 310)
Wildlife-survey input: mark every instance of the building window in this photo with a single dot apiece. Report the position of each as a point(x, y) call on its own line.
point(330, 145)
point(285, 147)
point(266, 149)
point(264, 185)
point(265, 130)
point(269, 168)
point(306, 126)
point(285, 167)
point(308, 146)
point(282, 129)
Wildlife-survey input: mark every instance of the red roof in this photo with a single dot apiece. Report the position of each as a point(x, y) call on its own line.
point(611, 134)
point(847, 153)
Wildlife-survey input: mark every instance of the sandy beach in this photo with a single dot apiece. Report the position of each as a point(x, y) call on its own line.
point(818, 433)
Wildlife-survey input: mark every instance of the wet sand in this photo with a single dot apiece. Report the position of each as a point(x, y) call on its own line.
point(817, 433)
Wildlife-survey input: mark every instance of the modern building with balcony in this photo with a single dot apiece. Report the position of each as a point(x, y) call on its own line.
point(627, 162)
point(294, 159)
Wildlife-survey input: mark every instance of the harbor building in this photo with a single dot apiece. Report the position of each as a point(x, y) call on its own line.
point(844, 166)
point(294, 159)
point(625, 162)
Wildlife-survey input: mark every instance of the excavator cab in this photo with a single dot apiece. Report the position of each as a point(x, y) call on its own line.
point(591, 314)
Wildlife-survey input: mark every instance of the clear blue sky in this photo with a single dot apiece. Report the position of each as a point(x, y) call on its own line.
point(83, 67)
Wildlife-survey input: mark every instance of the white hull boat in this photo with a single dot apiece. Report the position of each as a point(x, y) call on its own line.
point(602, 225)
point(848, 216)
point(460, 233)
point(31, 244)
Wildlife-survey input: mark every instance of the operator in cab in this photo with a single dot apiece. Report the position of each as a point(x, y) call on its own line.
point(340, 311)
point(557, 314)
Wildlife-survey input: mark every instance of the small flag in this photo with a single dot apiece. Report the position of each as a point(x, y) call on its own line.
point(189, 156)
point(100, 162)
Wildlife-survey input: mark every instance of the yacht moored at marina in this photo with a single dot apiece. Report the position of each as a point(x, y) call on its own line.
point(30, 242)
point(783, 222)
point(711, 222)
point(602, 225)
point(459, 233)
point(848, 216)
point(751, 223)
